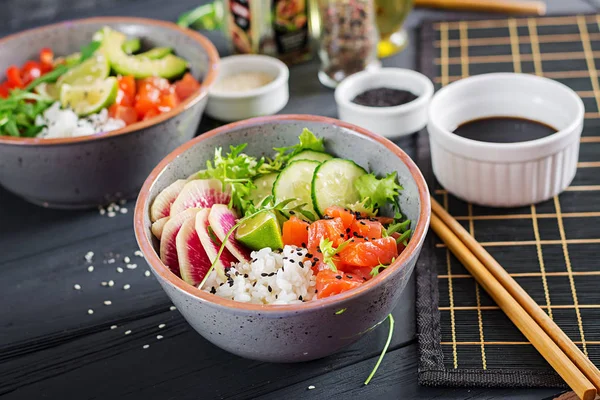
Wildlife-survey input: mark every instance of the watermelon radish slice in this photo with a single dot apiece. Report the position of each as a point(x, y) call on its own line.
point(193, 260)
point(212, 244)
point(221, 219)
point(168, 242)
point(201, 193)
point(158, 226)
point(161, 207)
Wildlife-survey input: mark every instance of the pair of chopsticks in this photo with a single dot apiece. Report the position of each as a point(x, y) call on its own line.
point(550, 341)
point(497, 6)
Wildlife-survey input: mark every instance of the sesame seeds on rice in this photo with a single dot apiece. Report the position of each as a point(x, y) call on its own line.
point(269, 278)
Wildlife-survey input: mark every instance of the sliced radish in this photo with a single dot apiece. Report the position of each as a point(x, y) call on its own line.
point(201, 193)
point(158, 226)
point(211, 243)
point(161, 206)
point(221, 220)
point(168, 242)
point(193, 260)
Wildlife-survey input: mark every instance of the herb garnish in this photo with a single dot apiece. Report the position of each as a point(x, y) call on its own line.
point(387, 344)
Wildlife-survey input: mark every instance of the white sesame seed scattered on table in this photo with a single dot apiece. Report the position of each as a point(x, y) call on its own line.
point(172, 308)
point(161, 326)
point(91, 268)
point(311, 387)
point(126, 260)
point(90, 311)
point(111, 283)
point(111, 214)
point(139, 253)
point(126, 286)
point(127, 332)
point(110, 261)
point(107, 302)
point(131, 266)
point(147, 273)
point(76, 287)
point(113, 327)
point(89, 256)
point(122, 202)
point(102, 211)
point(123, 210)
point(120, 270)
point(158, 337)
point(145, 346)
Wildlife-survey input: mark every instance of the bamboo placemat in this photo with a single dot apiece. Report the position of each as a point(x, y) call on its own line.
point(552, 249)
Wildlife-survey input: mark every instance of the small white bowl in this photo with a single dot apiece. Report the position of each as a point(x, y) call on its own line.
point(505, 174)
point(391, 122)
point(265, 100)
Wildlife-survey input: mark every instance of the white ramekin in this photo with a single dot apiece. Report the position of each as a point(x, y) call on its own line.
point(265, 100)
point(505, 174)
point(391, 122)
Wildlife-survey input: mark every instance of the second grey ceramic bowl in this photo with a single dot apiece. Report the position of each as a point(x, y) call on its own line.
point(91, 170)
point(299, 332)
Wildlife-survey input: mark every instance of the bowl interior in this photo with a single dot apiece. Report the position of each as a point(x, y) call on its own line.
point(262, 134)
point(69, 36)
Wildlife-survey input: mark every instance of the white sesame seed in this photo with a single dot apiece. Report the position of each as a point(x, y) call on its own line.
point(123, 210)
point(90, 311)
point(113, 327)
point(139, 253)
point(111, 283)
point(122, 202)
point(103, 283)
point(110, 261)
point(89, 256)
point(161, 326)
point(145, 346)
point(159, 337)
point(102, 211)
point(91, 268)
point(120, 270)
point(111, 214)
point(116, 207)
point(126, 286)
point(126, 259)
point(172, 308)
point(127, 332)
point(311, 387)
point(76, 287)
point(107, 302)
point(147, 273)
point(131, 266)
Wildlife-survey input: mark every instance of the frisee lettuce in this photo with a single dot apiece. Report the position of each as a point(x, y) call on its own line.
point(306, 141)
point(376, 192)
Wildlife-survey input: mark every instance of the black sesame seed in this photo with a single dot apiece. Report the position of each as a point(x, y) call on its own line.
point(254, 284)
point(362, 222)
point(270, 288)
point(338, 277)
point(347, 230)
point(356, 234)
point(309, 255)
point(349, 276)
point(264, 274)
point(319, 251)
point(316, 259)
point(213, 290)
point(285, 258)
point(245, 275)
point(299, 297)
point(300, 263)
point(254, 260)
point(303, 244)
point(292, 212)
point(272, 273)
point(316, 291)
point(366, 239)
point(341, 235)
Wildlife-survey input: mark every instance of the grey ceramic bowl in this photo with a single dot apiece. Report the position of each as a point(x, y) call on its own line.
point(91, 170)
point(300, 332)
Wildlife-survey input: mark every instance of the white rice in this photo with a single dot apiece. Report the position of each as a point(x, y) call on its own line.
point(269, 278)
point(60, 123)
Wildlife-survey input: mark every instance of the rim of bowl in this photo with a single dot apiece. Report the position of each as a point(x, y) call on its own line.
point(207, 81)
point(282, 76)
point(506, 147)
point(142, 207)
point(420, 101)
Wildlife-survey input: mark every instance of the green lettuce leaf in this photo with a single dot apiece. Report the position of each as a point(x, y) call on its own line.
point(378, 191)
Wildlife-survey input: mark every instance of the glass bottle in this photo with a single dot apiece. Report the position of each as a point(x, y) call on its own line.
point(348, 40)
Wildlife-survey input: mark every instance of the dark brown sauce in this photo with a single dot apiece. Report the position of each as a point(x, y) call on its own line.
point(504, 130)
point(384, 97)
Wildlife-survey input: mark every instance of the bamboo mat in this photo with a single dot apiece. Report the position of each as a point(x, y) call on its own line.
point(552, 249)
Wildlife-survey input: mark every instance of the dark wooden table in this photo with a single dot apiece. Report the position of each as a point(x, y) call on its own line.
point(51, 347)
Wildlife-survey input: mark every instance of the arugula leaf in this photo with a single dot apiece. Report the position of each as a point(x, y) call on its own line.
point(378, 191)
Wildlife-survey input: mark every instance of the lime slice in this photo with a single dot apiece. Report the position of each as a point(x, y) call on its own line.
point(48, 90)
point(93, 69)
point(89, 99)
point(260, 231)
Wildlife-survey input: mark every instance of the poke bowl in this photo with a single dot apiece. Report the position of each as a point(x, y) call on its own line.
point(316, 261)
point(88, 107)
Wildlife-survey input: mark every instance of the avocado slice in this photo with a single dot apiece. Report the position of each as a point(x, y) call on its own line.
point(168, 67)
point(156, 53)
point(132, 45)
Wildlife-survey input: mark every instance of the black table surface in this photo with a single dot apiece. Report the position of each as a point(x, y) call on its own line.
point(50, 347)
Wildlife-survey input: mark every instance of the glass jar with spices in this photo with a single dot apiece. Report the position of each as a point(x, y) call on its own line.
point(348, 39)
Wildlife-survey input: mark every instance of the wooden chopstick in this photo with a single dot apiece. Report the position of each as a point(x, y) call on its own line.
point(496, 6)
point(521, 296)
point(561, 363)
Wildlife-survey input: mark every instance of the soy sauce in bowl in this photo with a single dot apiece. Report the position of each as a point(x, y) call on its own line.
point(504, 130)
point(384, 97)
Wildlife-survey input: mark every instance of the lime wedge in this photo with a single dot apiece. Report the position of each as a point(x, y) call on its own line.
point(93, 69)
point(260, 231)
point(48, 90)
point(89, 99)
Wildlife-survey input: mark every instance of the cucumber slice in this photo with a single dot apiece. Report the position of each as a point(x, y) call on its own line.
point(311, 155)
point(264, 187)
point(295, 182)
point(333, 184)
